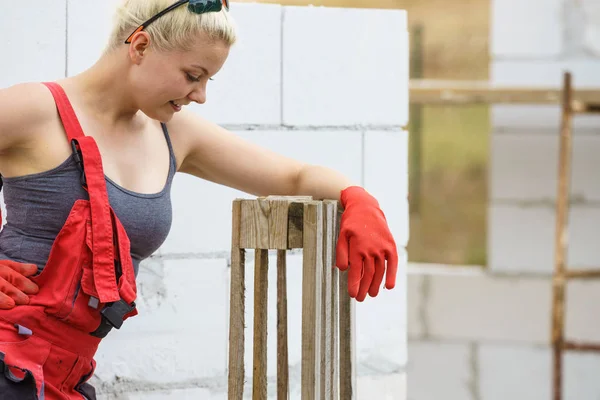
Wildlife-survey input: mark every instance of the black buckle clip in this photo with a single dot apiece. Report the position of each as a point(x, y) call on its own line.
point(114, 313)
point(79, 161)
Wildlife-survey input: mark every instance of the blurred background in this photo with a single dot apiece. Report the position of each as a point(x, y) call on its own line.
point(482, 194)
point(449, 145)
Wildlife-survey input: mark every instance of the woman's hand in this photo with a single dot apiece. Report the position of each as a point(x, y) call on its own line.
point(365, 244)
point(14, 284)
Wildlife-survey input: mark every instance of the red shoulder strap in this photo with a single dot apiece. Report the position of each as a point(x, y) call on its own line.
point(102, 229)
point(67, 114)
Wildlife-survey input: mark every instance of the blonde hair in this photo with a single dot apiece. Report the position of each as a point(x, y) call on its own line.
point(176, 30)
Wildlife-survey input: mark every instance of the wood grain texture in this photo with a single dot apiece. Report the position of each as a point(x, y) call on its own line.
point(236, 310)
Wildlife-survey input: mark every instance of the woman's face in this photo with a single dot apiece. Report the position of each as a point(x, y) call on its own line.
point(165, 81)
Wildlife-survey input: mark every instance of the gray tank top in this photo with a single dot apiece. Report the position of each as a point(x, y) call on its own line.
point(37, 206)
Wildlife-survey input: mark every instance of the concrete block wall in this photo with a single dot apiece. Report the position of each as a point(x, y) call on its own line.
point(327, 86)
point(484, 334)
point(524, 142)
point(475, 335)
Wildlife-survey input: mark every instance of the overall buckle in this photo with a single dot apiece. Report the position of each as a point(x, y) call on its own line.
point(79, 160)
point(114, 313)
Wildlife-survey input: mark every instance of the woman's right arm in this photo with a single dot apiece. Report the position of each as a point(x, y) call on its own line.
point(24, 109)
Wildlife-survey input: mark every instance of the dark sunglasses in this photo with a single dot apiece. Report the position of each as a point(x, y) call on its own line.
point(195, 6)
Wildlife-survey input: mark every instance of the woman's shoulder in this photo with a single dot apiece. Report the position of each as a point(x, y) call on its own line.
point(24, 108)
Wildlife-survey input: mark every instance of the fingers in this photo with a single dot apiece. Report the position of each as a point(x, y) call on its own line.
point(341, 252)
point(378, 276)
point(16, 275)
point(10, 295)
point(367, 278)
point(21, 268)
point(25, 285)
point(355, 274)
point(392, 269)
point(6, 303)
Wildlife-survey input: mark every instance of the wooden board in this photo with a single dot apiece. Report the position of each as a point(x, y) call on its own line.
point(440, 92)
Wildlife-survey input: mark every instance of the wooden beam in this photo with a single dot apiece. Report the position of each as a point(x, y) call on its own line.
point(439, 92)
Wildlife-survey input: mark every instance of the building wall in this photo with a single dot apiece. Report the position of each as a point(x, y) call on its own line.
point(326, 86)
point(485, 334)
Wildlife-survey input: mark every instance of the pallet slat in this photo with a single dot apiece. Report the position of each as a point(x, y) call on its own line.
point(312, 265)
point(261, 283)
point(236, 310)
point(283, 384)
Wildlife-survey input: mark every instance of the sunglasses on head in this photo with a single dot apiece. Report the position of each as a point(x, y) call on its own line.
point(195, 6)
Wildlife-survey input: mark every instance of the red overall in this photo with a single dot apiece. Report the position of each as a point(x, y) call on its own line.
point(87, 287)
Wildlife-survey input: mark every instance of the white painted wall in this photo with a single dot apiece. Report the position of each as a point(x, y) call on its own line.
point(327, 86)
point(485, 334)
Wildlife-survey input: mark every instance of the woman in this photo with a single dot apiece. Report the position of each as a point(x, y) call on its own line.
point(87, 190)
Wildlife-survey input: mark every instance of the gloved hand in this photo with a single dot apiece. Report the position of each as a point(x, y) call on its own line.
point(364, 244)
point(14, 285)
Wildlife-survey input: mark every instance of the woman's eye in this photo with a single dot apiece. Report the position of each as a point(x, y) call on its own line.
point(192, 78)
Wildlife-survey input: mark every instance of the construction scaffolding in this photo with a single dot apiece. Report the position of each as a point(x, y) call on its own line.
point(572, 102)
point(570, 107)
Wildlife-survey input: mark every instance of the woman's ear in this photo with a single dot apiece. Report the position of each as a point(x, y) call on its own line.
point(138, 46)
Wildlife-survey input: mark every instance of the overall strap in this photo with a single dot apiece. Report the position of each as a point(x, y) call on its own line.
point(94, 182)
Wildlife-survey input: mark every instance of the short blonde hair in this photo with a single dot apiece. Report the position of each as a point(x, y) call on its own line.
point(176, 30)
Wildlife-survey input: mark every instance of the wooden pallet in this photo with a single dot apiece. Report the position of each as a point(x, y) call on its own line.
point(328, 342)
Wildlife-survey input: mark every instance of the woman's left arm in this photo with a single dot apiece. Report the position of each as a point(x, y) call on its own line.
point(211, 152)
point(365, 246)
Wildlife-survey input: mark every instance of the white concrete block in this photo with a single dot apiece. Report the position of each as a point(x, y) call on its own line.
point(591, 30)
point(386, 177)
point(201, 216)
point(247, 90)
point(33, 42)
point(173, 297)
point(382, 387)
point(340, 150)
point(88, 36)
point(439, 371)
point(581, 375)
point(416, 298)
point(163, 358)
point(513, 372)
point(521, 238)
point(581, 315)
point(524, 167)
point(169, 341)
point(546, 74)
point(202, 210)
point(470, 305)
point(525, 372)
point(178, 394)
point(513, 35)
point(350, 67)
point(163, 394)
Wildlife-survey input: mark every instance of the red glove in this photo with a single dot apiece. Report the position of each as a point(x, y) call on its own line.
point(14, 285)
point(365, 243)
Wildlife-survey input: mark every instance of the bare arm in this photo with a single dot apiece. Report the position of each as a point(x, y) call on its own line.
point(215, 154)
point(321, 182)
point(23, 109)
